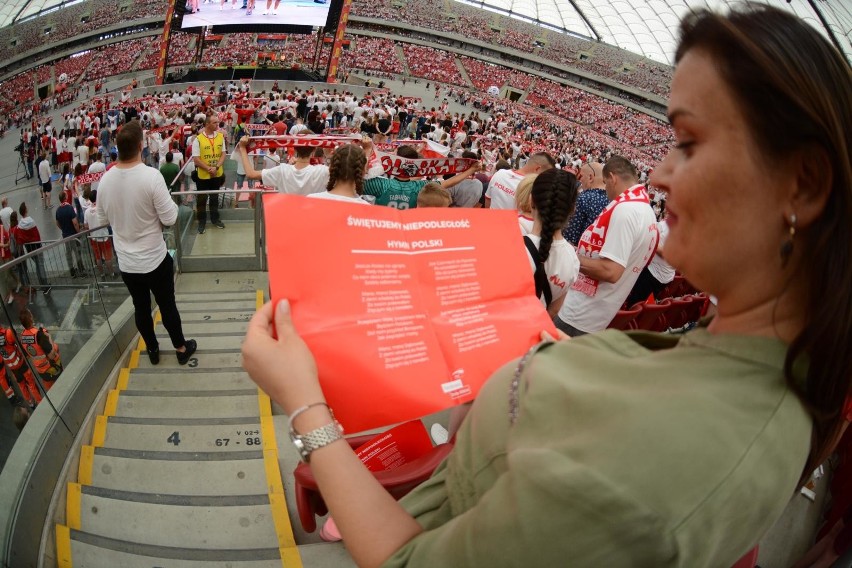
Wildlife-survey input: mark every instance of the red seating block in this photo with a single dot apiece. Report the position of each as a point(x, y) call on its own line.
point(398, 482)
point(625, 319)
point(653, 316)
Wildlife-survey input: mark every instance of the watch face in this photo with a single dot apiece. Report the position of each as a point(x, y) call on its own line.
point(297, 441)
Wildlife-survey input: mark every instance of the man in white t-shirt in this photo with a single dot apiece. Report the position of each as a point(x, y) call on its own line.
point(657, 274)
point(97, 166)
point(613, 251)
point(501, 189)
point(299, 178)
point(134, 200)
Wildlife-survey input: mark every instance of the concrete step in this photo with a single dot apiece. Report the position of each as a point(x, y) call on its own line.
point(227, 296)
point(193, 328)
point(201, 361)
point(216, 315)
point(212, 343)
point(191, 307)
point(92, 551)
point(242, 406)
point(212, 522)
point(177, 474)
point(142, 434)
point(140, 380)
point(326, 555)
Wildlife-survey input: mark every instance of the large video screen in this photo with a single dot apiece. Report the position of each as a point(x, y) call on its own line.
point(264, 13)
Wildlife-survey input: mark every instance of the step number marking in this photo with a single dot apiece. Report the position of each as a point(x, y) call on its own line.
point(174, 439)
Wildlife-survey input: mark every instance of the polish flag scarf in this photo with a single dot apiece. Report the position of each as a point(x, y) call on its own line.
point(594, 236)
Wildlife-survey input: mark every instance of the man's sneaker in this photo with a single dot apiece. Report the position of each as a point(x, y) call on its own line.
point(154, 356)
point(201, 229)
point(219, 224)
point(191, 346)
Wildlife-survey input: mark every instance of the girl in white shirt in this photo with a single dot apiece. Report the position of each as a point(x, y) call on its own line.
point(523, 203)
point(345, 175)
point(554, 193)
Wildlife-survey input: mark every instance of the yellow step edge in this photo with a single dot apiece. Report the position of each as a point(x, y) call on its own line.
point(290, 557)
point(99, 432)
point(134, 360)
point(264, 403)
point(123, 379)
point(87, 458)
point(283, 529)
point(141, 345)
point(111, 405)
point(273, 472)
point(259, 299)
point(63, 547)
point(157, 317)
point(72, 506)
point(267, 433)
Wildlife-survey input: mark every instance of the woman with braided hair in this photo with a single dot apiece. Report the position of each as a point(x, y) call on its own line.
point(553, 260)
point(345, 175)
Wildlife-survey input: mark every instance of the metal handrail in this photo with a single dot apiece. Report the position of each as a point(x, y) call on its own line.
point(47, 245)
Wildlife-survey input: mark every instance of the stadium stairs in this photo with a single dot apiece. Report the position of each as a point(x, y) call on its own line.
point(182, 469)
point(400, 54)
point(468, 84)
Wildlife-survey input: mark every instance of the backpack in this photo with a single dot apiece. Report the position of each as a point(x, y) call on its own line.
point(542, 286)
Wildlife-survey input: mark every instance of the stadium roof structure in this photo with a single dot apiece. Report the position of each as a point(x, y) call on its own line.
point(645, 27)
point(12, 11)
point(650, 27)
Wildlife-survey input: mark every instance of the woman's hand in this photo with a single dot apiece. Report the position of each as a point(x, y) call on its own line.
point(284, 368)
point(560, 336)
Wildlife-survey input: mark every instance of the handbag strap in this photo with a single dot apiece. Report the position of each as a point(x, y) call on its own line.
point(515, 385)
point(542, 286)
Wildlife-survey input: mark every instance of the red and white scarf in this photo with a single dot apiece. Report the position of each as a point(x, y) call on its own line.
point(311, 141)
point(594, 236)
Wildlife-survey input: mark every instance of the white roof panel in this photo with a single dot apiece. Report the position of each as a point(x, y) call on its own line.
point(650, 27)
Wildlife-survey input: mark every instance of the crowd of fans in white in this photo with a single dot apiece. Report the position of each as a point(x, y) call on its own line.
point(600, 59)
point(469, 22)
point(608, 120)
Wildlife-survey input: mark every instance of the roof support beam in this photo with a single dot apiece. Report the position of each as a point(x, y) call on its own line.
point(21, 11)
point(830, 32)
point(585, 19)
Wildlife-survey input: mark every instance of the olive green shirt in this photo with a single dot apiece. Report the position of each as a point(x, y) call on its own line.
point(628, 450)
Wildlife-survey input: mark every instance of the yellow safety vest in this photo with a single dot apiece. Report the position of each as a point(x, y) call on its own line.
point(211, 153)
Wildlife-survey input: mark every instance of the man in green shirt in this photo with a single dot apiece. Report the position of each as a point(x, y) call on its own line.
point(169, 170)
point(402, 193)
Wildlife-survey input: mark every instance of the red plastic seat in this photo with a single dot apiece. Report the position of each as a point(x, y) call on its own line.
point(698, 307)
point(625, 319)
point(679, 312)
point(671, 288)
point(653, 316)
point(747, 561)
point(398, 482)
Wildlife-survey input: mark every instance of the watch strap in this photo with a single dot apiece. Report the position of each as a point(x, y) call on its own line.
point(316, 439)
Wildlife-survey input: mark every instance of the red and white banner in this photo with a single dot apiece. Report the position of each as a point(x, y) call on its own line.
point(286, 141)
point(392, 146)
point(259, 127)
point(397, 166)
point(170, 107)
point(89, 178)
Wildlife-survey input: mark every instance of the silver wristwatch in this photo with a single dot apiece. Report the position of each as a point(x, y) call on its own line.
point(315, 439)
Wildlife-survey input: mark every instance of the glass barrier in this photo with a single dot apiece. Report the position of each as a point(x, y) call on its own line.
point(219, 230)
point(55, 295)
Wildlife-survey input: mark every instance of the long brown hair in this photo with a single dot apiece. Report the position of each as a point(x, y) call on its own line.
point(795, 91)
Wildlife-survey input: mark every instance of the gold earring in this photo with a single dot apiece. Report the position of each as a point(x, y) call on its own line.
point(787, 246)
